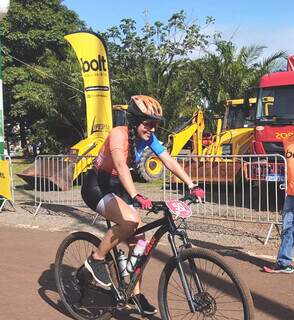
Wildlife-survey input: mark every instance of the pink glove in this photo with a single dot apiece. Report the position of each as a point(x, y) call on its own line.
point(198, 193)
point(144, 203)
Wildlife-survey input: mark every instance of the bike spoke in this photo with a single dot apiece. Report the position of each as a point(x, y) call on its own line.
point(181, 314)
point(177, 287)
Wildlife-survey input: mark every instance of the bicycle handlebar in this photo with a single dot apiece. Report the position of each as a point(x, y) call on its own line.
point(158, 206)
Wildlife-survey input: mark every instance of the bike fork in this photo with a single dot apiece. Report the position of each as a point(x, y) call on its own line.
point(181, 273)
point(192, 265)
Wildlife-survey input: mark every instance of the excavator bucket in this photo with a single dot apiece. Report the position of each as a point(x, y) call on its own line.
point(218, 171)
point(215, 171)
point(50, 173)
point(59, 172)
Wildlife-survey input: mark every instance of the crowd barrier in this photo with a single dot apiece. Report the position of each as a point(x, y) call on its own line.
point(58, 179)
point(244, 188)
point(6, 181)
point(238, 188)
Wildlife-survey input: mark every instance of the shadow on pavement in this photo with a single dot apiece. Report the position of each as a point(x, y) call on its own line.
point(235, 252)
point(47, 284)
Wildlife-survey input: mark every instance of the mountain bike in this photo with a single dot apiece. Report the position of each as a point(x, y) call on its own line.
point(195, 282)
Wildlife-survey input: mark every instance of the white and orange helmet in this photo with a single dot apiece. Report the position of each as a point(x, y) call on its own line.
point(145, 108)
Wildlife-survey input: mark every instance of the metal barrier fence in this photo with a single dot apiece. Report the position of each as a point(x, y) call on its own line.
point(58, 179)
point(8, 176)
point(238, 188)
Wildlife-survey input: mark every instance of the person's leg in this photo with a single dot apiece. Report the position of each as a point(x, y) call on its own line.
point(127, 221)
point(284, 257)
point(132, 243)
point(116, 210)
point(138, 299)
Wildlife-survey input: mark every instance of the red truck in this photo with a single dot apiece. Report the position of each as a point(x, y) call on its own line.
point(273, 122)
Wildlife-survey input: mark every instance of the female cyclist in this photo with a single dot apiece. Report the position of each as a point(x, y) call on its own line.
point(109, 188)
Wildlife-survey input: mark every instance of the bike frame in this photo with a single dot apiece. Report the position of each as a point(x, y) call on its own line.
point(166, 225)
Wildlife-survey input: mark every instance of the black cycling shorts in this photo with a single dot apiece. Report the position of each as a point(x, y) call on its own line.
point(98, 184)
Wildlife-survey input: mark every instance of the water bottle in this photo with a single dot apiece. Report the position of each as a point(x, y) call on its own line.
point(137, 252)
point(122, 263)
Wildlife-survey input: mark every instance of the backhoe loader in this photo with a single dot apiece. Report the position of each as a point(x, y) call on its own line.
point(232, 137)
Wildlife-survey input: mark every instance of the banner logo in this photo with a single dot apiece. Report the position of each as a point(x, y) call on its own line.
point(98, 64)
point(93, 61)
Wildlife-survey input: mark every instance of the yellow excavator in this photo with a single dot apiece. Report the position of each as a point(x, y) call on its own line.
point(233, 136)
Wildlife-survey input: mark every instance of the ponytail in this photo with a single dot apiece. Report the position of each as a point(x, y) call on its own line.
point(132, 146)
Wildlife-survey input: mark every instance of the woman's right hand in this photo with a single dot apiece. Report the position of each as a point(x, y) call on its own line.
point(198, 193)
point(144, 203)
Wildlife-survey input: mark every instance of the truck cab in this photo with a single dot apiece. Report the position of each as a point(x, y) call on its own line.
point(273, 123)
point(274, 119)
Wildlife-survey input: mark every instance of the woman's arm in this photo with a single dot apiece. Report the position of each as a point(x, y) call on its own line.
point(124, 173)
point(170, 163)
point(176, 169)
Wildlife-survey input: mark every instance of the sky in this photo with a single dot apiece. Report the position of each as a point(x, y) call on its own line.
point(259, 22)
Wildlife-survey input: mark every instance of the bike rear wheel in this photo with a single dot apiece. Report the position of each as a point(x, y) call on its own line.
point(223, 295)
point(81, 296)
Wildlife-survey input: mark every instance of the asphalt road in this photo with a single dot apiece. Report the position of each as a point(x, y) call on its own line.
point(28, 291)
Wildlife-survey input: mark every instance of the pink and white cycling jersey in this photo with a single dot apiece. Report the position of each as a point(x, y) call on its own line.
point(117, 139)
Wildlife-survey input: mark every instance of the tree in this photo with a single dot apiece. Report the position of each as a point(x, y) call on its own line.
point(42, 79)
point(151, 61)
point(227, 72)
point(35, 53)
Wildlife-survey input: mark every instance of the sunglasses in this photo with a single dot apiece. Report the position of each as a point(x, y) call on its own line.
point(150, 124)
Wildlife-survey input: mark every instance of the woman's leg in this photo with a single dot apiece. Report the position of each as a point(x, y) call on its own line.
point(127, 221)
point(131, 245)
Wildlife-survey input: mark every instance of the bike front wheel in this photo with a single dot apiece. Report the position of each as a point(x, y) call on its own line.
point(216, 290)
point(81, 296)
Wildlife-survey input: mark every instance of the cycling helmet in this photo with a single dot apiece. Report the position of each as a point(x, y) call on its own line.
point(145, 108)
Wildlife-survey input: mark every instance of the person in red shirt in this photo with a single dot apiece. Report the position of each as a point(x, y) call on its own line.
point(284, 258)
point(109, 188)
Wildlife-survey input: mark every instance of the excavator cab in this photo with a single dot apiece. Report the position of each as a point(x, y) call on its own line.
point(239, 113)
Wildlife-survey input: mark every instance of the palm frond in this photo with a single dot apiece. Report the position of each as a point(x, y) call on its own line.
point(250, 54)
point(273, 61)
